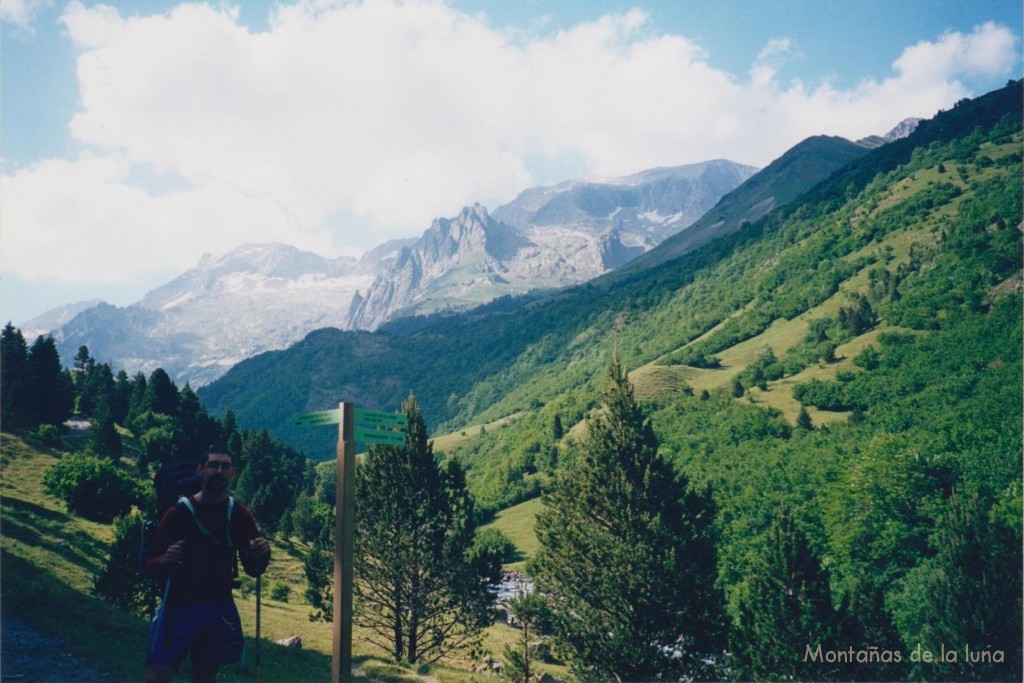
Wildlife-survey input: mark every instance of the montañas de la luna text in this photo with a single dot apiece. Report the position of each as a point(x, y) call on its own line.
point(874, 655)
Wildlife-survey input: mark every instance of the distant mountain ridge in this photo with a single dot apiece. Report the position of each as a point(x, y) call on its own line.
point(55, 318)
point(253, 299)
point(782, 181)
point(259, 298)
point(548, 237)
point(539, 355)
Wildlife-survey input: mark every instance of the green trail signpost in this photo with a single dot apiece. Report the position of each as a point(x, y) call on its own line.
point(354, 425)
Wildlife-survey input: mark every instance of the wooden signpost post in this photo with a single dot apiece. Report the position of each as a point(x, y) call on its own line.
point(362, 426)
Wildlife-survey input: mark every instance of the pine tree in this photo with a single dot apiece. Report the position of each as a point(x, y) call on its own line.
point(84, 362)
point(528, 611)
point(122, 398)
point(229, 432)
point(198, 429)
point(627, 558)
point(857, 316)
point(81, 369)
point(52, 394)
point(104, 438)
point(557, 431)
point(270, 477)
point(14, 379)
point(137, 401)
point(803, 419)
point(318, 566)
point(161, 393)
point(787, 609)
point(417, 593)
point(969, 593)
point(96, 392)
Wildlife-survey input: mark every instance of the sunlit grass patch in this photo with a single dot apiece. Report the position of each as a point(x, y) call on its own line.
point(517, 522)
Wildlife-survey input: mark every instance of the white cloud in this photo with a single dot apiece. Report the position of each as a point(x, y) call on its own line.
point(988, 50)
point(22, 13)
point(385, 116)
point(92, 225)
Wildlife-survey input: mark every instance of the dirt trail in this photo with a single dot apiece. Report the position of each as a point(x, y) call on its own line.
point(29, 656)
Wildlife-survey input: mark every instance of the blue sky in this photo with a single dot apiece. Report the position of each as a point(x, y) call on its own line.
point(139, 135)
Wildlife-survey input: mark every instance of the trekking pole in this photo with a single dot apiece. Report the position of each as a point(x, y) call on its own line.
point(258, 592)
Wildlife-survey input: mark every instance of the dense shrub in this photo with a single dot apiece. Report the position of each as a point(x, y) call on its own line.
point(93, 488)
point(280, 591)
point(49, 435)
point(491, 549)
point(119, 581)
point(822, 395)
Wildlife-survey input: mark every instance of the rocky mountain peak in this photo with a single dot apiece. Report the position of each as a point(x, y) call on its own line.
point(547, 237)
point(449, 237)
point(902, 129)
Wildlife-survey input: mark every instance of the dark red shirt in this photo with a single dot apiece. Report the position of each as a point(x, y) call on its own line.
point(208, 569)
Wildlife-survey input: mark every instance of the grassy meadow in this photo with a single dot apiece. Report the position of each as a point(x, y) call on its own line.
point(49, 559)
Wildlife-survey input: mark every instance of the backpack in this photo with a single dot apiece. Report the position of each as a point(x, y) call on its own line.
point(174, 483)
point(171, 482)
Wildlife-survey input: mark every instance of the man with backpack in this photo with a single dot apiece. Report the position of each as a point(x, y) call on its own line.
point(197, 549)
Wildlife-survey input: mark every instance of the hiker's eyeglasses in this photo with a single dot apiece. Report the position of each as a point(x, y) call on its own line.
point(222, 466)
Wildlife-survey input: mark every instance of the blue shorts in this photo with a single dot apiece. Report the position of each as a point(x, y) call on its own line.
point(210, 631)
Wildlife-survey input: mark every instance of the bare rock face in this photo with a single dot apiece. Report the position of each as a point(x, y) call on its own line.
point(547, 237)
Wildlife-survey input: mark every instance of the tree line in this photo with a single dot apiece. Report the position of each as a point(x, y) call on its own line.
point(136, 424)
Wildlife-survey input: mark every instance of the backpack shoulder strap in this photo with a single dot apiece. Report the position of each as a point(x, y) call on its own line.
point(185, 502)
point(231, 509)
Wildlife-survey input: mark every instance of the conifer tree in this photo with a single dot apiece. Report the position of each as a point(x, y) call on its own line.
point(557, 431)
point(122, 397)
point(52, 394)
point(14, 379)
point(787, 608)
point(161, 393)
point(137, 400)
point(528, 610)
point(969, 593)
point(96, 391)
point(627, 558)
point(198, 429)
point(271, 473)
point(104, 437)
point(318, 565)
point(84, 362)
point(417, 593)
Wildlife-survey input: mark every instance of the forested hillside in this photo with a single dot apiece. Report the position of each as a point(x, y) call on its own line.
point(843, 376)
point(515, 353)
point(809, 441)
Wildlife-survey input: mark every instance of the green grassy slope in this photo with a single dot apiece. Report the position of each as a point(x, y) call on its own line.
point(49, 558)
point(785, 179)
point(448, 361)
point(515, 354)
point(889, 299)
